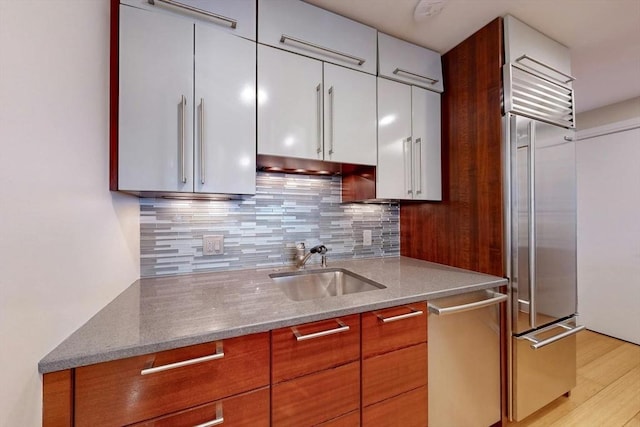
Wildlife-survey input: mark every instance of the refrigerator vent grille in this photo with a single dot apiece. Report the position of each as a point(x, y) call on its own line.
point(534, 96)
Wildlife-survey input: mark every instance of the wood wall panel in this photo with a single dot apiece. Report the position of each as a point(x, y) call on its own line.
point(466, 229)
point(57, 399)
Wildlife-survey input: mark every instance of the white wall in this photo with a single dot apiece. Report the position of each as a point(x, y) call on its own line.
point(67, 245)
point(608, 179)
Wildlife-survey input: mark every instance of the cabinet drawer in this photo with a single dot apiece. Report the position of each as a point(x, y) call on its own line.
point(352, 419)
point(318, 397)
point(406, 410)
point(409, 63)
point(248, 409)
point(393, 373)
point(312, 350)
point(317, 33)
point(118, 391)
point(393, 328)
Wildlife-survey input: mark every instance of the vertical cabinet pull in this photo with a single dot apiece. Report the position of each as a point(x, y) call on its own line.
point(215, 422)
point(219, 354)
point(531, 160)
point(319, 117)
point(341, 328)
point(418, 163)
point(331, 118)
point(202, 159)
point(407, 165)
point(183, 160)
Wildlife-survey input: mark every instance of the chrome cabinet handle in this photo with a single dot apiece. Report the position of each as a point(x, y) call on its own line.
point(331, 115)
point(232, 22)
point(531, 160)
point(440, 311)
point(319, 117)
point(413, 313)
point(183, 163)
point(215, 422)
point(419, 76)
point(219, 354)
point(407, 165)
point(547, 66)
point(418, 161)
point(342, 328)
point(202, 159)
point(356, 59)
point(569, 330)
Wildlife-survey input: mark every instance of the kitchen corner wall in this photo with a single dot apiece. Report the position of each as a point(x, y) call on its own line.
point(261, 230)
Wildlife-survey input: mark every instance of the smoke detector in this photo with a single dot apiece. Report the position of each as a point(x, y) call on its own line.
point(427, 8)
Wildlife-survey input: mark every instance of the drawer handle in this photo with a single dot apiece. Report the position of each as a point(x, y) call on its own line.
point(414, 75)
point(342, 328)
point(231, 22)
point(215, 422)
point(285, 37)
point(496, 298)
point(414, 313)
point(218, 355)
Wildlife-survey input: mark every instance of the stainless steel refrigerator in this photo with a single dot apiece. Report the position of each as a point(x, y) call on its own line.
point(540, 203)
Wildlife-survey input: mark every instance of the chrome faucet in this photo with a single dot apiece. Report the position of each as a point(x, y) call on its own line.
point(302, 258)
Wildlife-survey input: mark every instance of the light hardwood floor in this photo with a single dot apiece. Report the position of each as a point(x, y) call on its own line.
point(608, 389)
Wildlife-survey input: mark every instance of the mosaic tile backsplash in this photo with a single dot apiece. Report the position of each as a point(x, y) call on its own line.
point(262, 230)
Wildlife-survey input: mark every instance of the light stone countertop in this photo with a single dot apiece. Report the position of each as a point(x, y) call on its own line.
point(156, 314)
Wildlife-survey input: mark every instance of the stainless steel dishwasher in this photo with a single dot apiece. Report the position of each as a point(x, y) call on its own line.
point(464, 359)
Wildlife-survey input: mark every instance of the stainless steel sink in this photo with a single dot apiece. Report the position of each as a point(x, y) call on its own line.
point(328, 282)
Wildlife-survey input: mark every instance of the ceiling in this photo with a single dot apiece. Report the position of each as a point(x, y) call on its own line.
point(603, 35)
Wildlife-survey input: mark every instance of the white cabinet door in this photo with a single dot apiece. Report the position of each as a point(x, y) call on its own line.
point(155, 151)
point(409, 63)
point(225, 94)
point(427, 168)
point(393, 175)
point(309, 30)
point(289, 104)
point(349, 116)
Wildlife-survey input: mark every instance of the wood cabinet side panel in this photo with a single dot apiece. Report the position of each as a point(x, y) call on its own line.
point(118, 392)
point(293, 358)
point(393, 373)
point(247, 409)
point(466, 229)
point(316, 398)
point(57, 399)
point(379, 337)
point(406, 410)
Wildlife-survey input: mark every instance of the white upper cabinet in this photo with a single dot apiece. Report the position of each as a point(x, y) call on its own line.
point(531, 48)
point(155, 149)
point(349, 116)
point(406, 62)
point(234, 16)
point(289, 105)
point(225, 105)
point(173, 74)
point(308, 30)
point(303, 115)
point(409, 143)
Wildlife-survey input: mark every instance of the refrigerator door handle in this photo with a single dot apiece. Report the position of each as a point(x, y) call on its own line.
point(532, 224)
point(496, 298)
point(538, 344)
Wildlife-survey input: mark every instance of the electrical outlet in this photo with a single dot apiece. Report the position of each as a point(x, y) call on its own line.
point(213, 245)
point(366, 238)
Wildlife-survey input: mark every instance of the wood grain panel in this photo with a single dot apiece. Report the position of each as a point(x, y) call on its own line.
point(352, 419)
point(116, 391)
point(57, 399)
point(406, 410)
point(393, 373)
point(293, 358)
point(247, 409)
point(316, 398)
point(466, 229)
point(379, 337)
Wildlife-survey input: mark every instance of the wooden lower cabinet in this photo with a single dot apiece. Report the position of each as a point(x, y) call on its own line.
point(316, 398)
point(352, 419)
point(247, 409)
point(407, 410)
